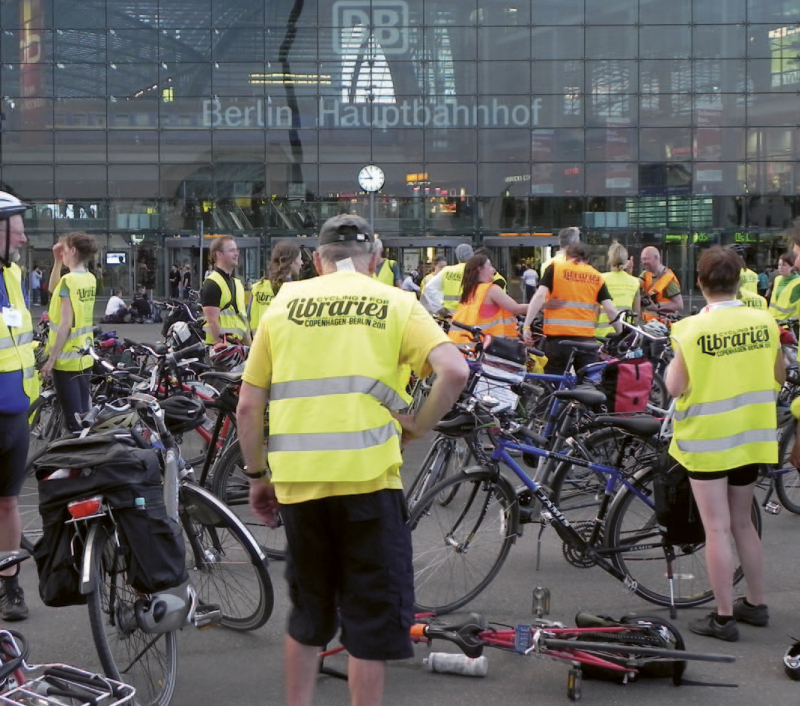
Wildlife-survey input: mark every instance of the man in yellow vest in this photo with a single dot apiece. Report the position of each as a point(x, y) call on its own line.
point(19, 383)
point(388, 271)
point(334, 453)
point(443, 291)
point(222, 295)
point(566, 237)
point(581, 289)
point(439, 263)
point(660, 285)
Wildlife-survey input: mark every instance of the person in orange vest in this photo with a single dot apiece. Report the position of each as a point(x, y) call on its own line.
point(581, 287)
point(660, 285)
point(484, 304)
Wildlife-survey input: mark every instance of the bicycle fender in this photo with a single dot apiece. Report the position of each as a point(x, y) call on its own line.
point(87, 576)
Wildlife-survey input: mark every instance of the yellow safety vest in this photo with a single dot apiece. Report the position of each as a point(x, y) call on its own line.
point(502, 323)
point(500, 281)
point(749, 280)
point(232, 322)
point(727, 419)
point(82, 288)
point(578, 285)
point(452, 275)
point(623, 288)
point(17, 344)
point(261, 295)
point(780, 305)
point(754, 301)
point(330, 420)
point(385, 272)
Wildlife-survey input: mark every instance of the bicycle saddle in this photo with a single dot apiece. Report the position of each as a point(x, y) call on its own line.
point(588, 346)
point(587, 395)
point(642, 425)
point(465, 634)
point(220, 375)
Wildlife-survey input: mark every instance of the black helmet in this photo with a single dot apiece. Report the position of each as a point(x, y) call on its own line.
point(10, 206)
point(791, 662)
point(183, 414)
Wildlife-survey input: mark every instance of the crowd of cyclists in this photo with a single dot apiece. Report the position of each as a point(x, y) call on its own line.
point(397, 360)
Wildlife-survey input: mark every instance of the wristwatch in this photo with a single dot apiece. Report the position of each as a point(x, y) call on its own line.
point(256, 475)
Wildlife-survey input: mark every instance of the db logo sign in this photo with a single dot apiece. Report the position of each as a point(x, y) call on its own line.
point(385, 20)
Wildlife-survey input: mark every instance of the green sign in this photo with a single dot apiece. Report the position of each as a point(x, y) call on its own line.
point(745, 237)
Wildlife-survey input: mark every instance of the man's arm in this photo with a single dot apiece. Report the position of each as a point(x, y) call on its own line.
point(451, 374)
point(433, 298)
point(534, 307)
point(673, 306)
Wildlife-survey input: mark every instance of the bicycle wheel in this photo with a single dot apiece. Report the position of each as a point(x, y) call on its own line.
point(635, 542)
point(459, 547)
point(230, 484)
point(225, 564)
point(579, 491)
point(787, 477)
point(446, 457)
point(659, 397)
point(147, 662)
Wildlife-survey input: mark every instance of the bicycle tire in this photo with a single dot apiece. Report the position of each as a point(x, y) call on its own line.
point(659, 397)
point(578, 491)
point(224, 562)
point(230, 485)
point(787, 482)
point(460, 547)
point(147, 662)
point(632, 521)
point(445, 458)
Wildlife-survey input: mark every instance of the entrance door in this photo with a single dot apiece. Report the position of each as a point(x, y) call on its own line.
point(510, 256)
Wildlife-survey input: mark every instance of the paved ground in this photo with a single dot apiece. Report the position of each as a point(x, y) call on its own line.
point(224, 667)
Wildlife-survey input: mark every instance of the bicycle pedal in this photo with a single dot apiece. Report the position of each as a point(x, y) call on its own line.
point(772, 508)
point(207, 615)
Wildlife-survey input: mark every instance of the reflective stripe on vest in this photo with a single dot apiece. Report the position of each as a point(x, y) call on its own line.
point(338, 386)
point(81, 287)
point(727, 418)
point(261, 295)
point(337, 441)
point(452, 284)
point(578, 285)
point(502, 323)
point(231, 321)
point(16, 349)
point(781, 305)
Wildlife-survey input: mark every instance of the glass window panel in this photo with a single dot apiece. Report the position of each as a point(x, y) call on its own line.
point(240, 44)
point(133, 180)
point(33, 46)
point(557, 43)
point(665, 144)
point(720, 12)
point(507, 42)
point(282, 144)
point(20, 147)
point(28, 114)
point(141, 113)
point(84, 45)
point(718, 41)
point(615, 75)
point(773, 109)
point(241, 80)
point(719, 109)
point(611, 42)
point(555, 12)
point(772, 143)
point(79, 80)
point(237, 145)
point(73, 15)
point(391, 145)
point(337, 145)
point(78, 146)
point(130, 146)
point(718, 75)
point(605, 13)
point(505, 77)
point(784, 11)
point(30, 182)
point(656, 12)
point(179, 181)
point(172, 14)
point(184, 113)
point(132, 45)
point(494, 145)
point(716, 143)
point(129, 81)
point(11, 16)
point(84, 113)
point(225, 13)
point(667, 110)
point(304, 47)
point(187, 79)
point(559, 111)
point(557, 77)
point(81, 181)
point(614, 142)
point(671, 41)
point(605, 106)
point(511, 14)
point(185, 145)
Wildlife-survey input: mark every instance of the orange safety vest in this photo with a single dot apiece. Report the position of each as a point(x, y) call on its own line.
point(494, 320)
point(655, 289)
point(577, 284)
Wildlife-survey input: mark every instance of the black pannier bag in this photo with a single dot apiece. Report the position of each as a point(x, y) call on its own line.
point(676, 509)
point(129, 477)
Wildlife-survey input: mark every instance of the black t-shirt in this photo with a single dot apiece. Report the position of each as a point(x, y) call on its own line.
point(211, 294)
point(547, 281)
point(187, 278)
point(175, 277)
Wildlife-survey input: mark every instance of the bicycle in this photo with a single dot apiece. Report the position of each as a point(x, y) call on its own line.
point(460, 547)
point(134, 630)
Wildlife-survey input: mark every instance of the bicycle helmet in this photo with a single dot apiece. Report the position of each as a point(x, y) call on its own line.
point(227, 356)
point(656, 328)
point(791, 662)
point(182, 413)
point(111, 418)
point(9, 206)
point(180, 335)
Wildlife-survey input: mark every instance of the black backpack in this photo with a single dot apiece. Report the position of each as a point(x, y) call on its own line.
point(676, 509)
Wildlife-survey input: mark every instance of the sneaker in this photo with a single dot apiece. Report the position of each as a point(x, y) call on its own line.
point(12, 600)
point(709, 627)
point(755, 615)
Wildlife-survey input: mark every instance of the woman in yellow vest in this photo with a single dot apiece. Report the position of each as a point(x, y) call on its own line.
point(784, 299)
point(726, 374)
point(623, 288)
point(284, 266)
point(485, 304)
point(71, 322)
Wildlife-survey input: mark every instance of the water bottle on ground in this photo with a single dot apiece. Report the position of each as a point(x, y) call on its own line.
point(456, 664)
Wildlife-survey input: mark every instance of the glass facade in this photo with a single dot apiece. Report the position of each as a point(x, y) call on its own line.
point(671, 123)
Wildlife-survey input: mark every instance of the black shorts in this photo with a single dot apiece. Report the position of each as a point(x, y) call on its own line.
point(14, 438)
point(558, 356)
point(744, 475)
point(349, 562)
